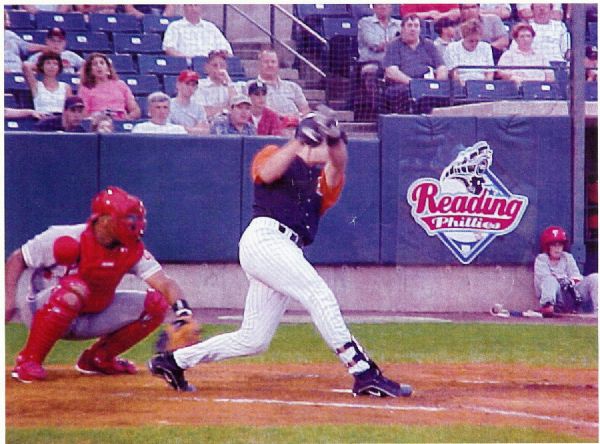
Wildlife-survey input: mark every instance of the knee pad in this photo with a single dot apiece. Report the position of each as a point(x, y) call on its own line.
point(70, 294)
point(354, 357)
point(155, 304)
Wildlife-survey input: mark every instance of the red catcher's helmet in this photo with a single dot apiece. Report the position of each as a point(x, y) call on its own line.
point(551, 235)
point(127, 211)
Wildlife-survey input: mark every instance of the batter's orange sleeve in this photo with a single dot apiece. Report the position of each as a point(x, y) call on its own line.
point(330, 194)
point(260, 159)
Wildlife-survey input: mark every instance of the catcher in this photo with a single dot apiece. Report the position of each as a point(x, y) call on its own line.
point(74, 293)
point(558, 283)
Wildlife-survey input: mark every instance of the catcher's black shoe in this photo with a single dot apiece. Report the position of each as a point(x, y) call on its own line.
point(163, 365)
point(372, 382)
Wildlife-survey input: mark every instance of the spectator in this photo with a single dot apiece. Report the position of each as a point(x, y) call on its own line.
point(95, 9)
point(525, 11)
point(22, 113)
point(237, 121)
point(551, 36)
point(470, 50)
point(406, 58)
point(159, 107)
point(591, 63)
point(138, 11)
point(215, 91)
point(374, 33)
point(289, 124)
point(187, 112)
point(524, 55)
point(33, 9)
point(172, 10)
point(502, 10)
point(101, 89)
point(558, 283)
point(493, 30)
point(191, 36)
point(48, 94)
point(15, 47)
point(102, 123)
point(430, 11)
point(266, 121)
point(446, 31)
point(283, 96)
point(69, 121)
point(56, 41)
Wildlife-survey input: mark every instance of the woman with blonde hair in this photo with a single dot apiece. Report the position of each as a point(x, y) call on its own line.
point(470, 51)
point(102, 91)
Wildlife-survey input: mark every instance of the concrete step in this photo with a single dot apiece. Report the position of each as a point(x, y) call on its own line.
point(317, 95)
point(367, 128)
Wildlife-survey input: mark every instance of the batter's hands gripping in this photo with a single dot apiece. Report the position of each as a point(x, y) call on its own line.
point(182, 332)
point(329, 126)
point(308, 131)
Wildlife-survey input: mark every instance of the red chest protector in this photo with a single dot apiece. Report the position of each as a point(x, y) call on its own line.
point(102, 269)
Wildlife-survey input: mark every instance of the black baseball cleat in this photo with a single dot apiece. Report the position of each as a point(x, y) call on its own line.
point(372, 382)
point(163, 365)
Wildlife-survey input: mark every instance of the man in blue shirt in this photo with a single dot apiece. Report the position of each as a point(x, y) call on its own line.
point(239, 119)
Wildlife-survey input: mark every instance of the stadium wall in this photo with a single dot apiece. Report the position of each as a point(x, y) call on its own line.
point(370, 248)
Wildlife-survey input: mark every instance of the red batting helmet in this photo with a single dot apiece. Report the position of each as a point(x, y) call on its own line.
point(551, 235)
point(127, 212)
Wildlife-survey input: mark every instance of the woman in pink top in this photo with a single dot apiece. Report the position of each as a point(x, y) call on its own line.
point(524, 55)
point(102, 91)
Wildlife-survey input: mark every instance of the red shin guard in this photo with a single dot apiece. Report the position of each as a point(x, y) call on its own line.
point(111, 345)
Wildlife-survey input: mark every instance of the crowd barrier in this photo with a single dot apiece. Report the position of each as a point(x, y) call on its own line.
point(198, 191)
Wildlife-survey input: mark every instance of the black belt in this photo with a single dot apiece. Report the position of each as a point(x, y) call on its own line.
point(293, 236)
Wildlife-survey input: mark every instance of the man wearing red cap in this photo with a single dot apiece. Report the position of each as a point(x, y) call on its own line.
point(74, 294)
point(55, 40)
point(187, 112)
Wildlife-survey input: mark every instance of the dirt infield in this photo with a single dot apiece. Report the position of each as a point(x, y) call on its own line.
point(239, 393)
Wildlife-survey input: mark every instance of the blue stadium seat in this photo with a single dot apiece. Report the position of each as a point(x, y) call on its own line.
point(143, 102)
point(592, 33)
point(169, 85)
point(542, 91)
point(591, 91)
point(125, 126)
point(85, 41)
point(21, 20)
point(304, 11)
point(123, 63)
point(339, 27)
point(33, 36)
point(23, 124)
point(70, 79)
point(141, 84)
point(114, 23)
point(341, 33)
point(198, 63)
point(69, 21)
point(137, 43)
point(157, 24)
point(10, 101)
point(14, 81)
point(421, 88)
point(155, 64)
point(360, 11)
point(485, 90)
point(236, 69)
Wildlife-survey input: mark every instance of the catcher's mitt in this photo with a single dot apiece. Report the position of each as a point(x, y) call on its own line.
point(182, 332)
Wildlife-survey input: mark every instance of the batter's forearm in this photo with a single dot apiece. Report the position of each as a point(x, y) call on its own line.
point(279, 162)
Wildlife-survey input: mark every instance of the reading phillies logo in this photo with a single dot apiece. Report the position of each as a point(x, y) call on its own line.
point(469, 206)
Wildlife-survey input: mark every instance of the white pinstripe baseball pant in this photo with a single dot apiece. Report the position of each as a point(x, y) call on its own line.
point(277, 271)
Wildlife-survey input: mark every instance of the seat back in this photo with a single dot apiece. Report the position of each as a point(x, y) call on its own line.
point(10, 101)
point(235, 68)
point(591, 91)
point(85, 41)
point(22, 124)
point(137, 43)
point(541, 91)
point(69, 21)
point(21, 20)
point(339, 27)
point(491, 90)
point(157, 24)
point(125, 126)
point(15, 81)
point(198, 63)
point(114, 23)
point(304, 11)
point(170, 83)
point(72, 80)
point(420, 88)
point(123, 63)
point(154, 64)
point(33, 35)
point(141, 84)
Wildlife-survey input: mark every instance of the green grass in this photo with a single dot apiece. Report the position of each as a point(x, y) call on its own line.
point(297, 434)
point(569, 346)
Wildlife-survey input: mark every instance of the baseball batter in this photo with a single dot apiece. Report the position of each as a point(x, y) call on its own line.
point(73, 289)
point(293, 187)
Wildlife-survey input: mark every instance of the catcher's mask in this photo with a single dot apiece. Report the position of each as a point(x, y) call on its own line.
point(127, 212)
point(551, 235)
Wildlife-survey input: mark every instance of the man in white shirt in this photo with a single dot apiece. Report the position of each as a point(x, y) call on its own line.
point(551, 36)
point(191, 36)
point(159, 107)
point(283, 96)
